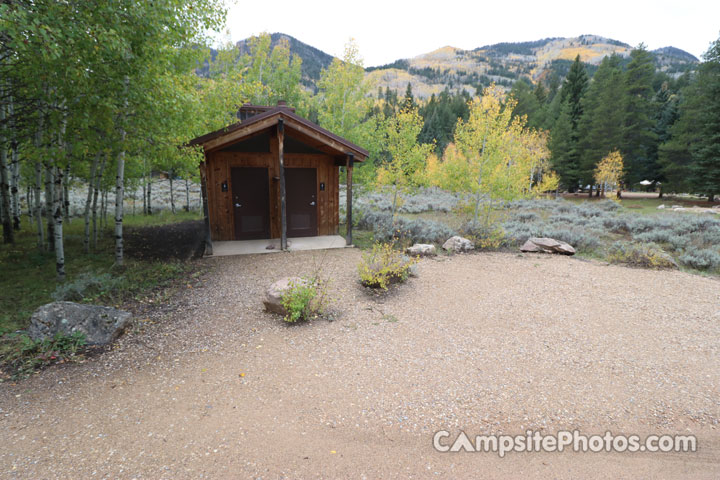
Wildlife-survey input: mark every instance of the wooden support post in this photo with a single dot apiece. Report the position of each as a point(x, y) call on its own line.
point(348, 210)
point(283, 206)
point(206, 211)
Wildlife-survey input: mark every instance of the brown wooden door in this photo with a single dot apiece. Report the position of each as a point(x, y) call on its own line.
point(251, 203)
point(301, 195)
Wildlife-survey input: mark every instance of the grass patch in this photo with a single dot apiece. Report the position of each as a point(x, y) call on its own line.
point(29, 280)
point(363, 239)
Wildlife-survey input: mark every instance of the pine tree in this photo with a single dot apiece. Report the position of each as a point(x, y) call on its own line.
point(601, 126)
point(564, 153)
point(527, 102)
point(639, 139)
point(565, 146)
point(409, 100)
point(706, 152)
point(674, 157)
point(573, 91)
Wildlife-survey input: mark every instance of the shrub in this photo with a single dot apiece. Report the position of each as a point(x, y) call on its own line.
point(653, 236)
point(701, 259)
point(384, 266)
point(564, 207)
point(519, 232)
point(647, 256)
point(484, 235)
point(86, 285)
point(304, 299)
point(590, 210)
point(404, 230)
point(616, 224)
point(711, 237)
point(424, 200)
point(527, 217)
point(34, 354)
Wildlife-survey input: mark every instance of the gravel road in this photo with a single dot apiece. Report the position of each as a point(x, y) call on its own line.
point(210, 386)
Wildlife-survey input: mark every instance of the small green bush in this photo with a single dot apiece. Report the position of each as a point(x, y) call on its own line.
point(85, 285)
point(304, 300)
point(384, 266)
point(646, 256)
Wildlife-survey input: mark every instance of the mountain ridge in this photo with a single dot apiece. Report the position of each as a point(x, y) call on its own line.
point(501, 63)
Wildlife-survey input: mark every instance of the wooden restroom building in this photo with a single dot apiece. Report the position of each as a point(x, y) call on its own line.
point(275, 174)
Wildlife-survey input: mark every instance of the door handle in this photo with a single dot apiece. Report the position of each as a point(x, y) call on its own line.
point(238, 205)
point(312, 204)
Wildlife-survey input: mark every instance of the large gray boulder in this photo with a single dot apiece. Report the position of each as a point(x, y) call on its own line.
point(458, 244)
point(101, 325)
point(421, 250)
point(547, 245)
point(275, 292)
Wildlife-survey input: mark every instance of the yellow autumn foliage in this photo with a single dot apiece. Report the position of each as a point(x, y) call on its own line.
point(609, 170)
point(494, 154)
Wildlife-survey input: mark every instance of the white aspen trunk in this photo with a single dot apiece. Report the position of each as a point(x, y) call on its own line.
point(120, 185)
point(8, 234)
point(103, 208)
point(478, 196)
point(38, 187)
point(58, 204)
point(88, 202)
point(96, 191)
point(187, 195)
point(38, 206)
point(172, 195)
point(5, 212)
point(58, 227)
point(49, 196)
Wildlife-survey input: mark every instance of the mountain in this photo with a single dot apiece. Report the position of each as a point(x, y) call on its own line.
point(674, 58)
point(504, 63)
point(470, 70)
point(313, 59)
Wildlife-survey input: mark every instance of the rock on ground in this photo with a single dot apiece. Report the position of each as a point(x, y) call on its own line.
point(275, 292)
point(101, 325)
point(547, 245)
point(458, 244)
point(421, 250)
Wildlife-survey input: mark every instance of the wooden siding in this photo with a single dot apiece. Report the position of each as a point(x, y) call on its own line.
point(220, 209)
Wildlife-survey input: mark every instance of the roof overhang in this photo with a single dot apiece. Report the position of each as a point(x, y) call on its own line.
point(305, 130)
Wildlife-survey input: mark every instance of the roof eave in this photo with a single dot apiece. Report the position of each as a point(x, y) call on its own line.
point(359, 153)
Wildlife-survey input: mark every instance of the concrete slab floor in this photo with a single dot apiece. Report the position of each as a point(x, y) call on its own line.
point(247, 247)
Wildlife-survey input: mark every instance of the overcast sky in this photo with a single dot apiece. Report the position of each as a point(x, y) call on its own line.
point(388, 30)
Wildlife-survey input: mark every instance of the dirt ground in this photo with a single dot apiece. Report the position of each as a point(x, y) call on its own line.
point(213, 387)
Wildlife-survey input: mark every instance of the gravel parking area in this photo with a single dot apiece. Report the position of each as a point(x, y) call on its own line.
point(213, 387)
